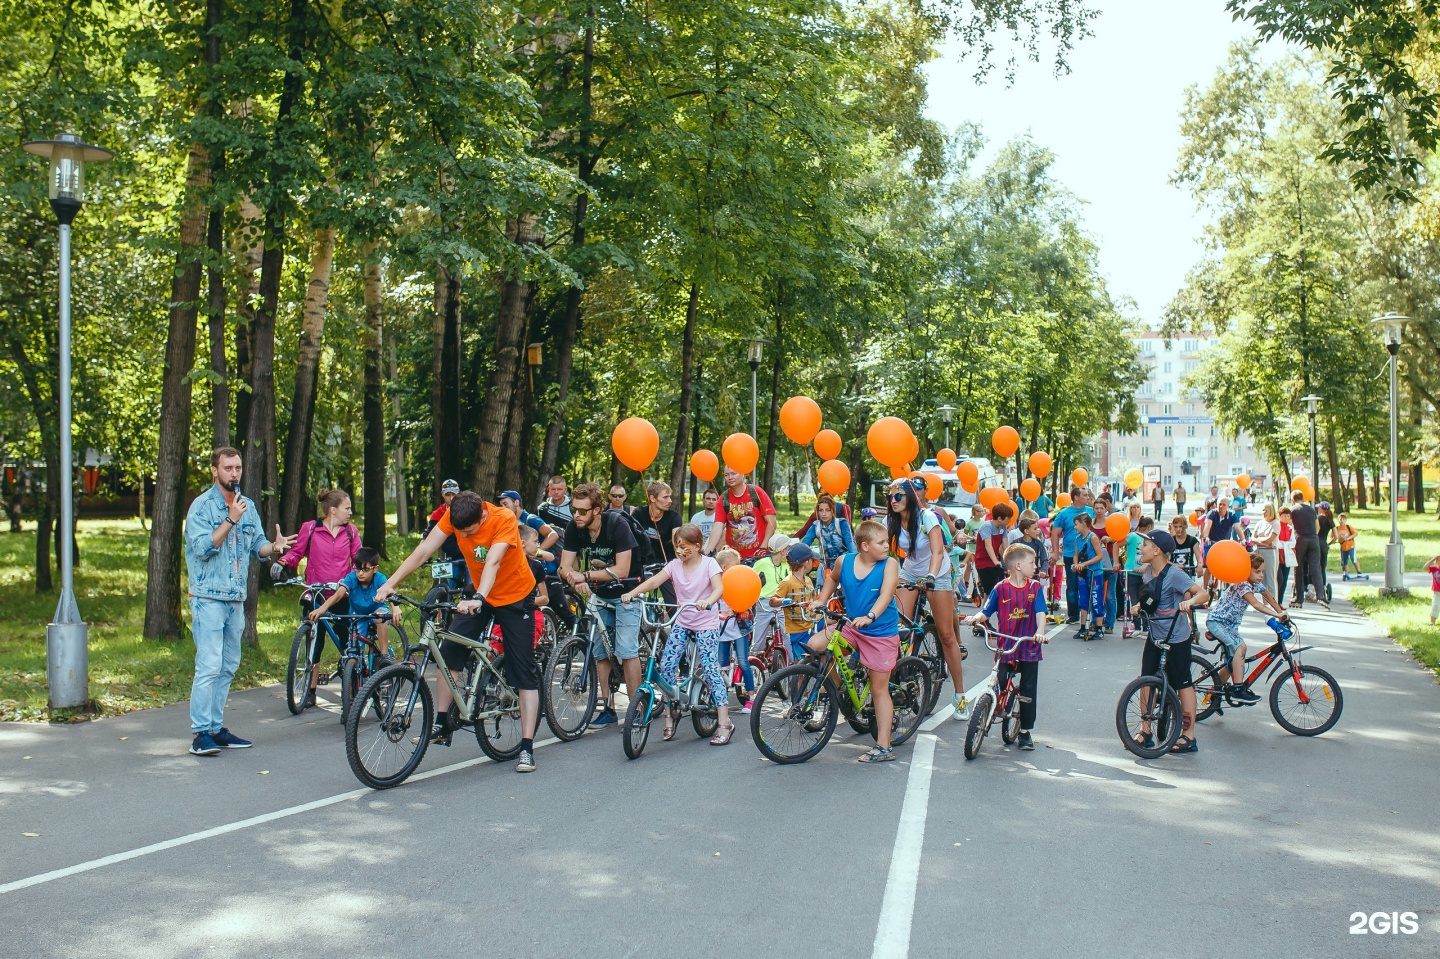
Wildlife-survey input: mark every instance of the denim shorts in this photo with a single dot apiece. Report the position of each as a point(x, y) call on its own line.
point(1227, 632)
point(623, 622)
point(798, 643)
point(944, 583)
point(1347, 556)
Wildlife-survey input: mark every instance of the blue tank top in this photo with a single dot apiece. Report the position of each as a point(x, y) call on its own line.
point(860, 595)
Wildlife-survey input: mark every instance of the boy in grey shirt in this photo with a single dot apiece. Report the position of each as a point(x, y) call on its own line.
point(1168, 593)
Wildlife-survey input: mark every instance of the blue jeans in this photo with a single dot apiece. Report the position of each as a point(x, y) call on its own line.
point(216, 626)
point(1072, 589)
point(740, 645)
point(1112, 580)
point(623, 622)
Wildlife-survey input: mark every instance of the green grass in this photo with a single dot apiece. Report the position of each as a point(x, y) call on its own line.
point(1420, 533)
point(126, 671)
point(1407, 621)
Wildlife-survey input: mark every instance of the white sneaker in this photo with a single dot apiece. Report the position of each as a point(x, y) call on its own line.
point(962, 708)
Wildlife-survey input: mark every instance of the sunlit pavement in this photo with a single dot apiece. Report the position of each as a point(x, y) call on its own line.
point(1262, 844)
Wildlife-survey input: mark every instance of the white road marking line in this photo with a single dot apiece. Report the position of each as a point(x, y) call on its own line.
point(897, 910)
point(211, 833)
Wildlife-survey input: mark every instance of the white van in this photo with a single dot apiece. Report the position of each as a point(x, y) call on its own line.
point(953, 500)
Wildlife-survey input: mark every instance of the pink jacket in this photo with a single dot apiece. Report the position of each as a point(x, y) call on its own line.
point(329, 554)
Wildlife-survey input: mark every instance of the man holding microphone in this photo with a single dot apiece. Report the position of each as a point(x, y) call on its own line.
point(222, 534)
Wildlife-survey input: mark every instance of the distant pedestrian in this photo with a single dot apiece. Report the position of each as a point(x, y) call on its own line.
point(1180, 495)
point(1433, 568)
point(1157, 498)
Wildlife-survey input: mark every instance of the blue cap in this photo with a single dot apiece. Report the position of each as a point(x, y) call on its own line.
point(799, 553)
point(449, 486)
point(511, 494)
point(1162, 540)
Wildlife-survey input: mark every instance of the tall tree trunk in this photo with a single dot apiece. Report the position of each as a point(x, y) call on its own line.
point(772, 437)
point(41, 390)
point(251, 218)
point(694, 445)
point(402, 497)
point(510, 328)
point(307, 378)
point(794, 489)
point(512, 472)
point(687, 387)
point(1337, 481)
point(445, 379)
point(374, 406)
point(219, 371)
point(163, 618)
point(1359, 487)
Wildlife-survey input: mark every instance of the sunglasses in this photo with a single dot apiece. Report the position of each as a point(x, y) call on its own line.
point(617, 495)
point(583, 510)
point(365, 569)
point(897, 496)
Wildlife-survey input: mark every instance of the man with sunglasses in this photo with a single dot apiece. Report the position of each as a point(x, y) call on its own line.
point(617, 497)
point(595, 559)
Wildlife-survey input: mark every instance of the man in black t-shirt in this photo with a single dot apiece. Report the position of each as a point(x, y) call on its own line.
point(1306, 523)
point(660, 522)
point(595, 559)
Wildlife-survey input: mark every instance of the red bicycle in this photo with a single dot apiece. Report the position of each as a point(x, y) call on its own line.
point(1001, 701)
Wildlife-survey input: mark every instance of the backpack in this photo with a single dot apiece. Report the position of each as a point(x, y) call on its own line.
point(646, 553)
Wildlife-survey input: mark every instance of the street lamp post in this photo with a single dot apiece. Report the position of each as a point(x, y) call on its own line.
point(757, 350)
point(1312, 406)
point(946, 412)
point(67, 657)
point(1391, 325)
point(1059, 472)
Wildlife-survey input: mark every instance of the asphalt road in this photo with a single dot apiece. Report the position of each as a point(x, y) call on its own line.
point(1263, 843)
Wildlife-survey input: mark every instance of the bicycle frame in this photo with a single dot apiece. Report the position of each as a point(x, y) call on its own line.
point(1271, 658)
point(431, 636)
point(688, 691)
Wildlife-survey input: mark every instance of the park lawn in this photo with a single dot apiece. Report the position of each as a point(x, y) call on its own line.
point(1420, 533)
point(1406, 620)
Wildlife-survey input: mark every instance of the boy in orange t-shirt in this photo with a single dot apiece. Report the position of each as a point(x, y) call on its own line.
point(489, 538)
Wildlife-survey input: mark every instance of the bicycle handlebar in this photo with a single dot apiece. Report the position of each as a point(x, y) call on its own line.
point(993, 635)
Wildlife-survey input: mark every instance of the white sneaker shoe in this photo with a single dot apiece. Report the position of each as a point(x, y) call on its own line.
point(962, 708)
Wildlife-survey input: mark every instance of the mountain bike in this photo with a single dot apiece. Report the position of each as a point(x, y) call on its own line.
point(796, 710)
point(1000, 702)
point(689, 696)
point(1149, 700)
point(309, 643)
point(1305, 700)
point(386, 743)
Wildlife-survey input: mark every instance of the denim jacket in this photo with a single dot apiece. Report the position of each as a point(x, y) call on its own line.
point(220, 572)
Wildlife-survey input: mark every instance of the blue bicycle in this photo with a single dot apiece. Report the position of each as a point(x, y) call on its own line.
point(358, 654)
point(690, 694)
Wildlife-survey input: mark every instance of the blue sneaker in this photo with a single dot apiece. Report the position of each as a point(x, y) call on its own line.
point(204, 745)
point(229, 740)
point(607, 717)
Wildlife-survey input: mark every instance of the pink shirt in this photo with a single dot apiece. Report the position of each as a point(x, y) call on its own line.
point(692, 586)
point(330, 554)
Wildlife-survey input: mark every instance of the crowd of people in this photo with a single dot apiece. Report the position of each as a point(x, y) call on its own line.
point(509, 564)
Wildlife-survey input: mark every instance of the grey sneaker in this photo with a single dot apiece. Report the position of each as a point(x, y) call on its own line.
point(526, 763)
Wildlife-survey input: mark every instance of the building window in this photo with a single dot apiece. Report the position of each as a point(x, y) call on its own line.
point(1167, 452)
point(1167, 409)
point(1214, 452)
point(1169, 430)
point(1147, 346)
point(1144, 431)
point(1189, 431)
point(1169, 367)
point(1144, 451)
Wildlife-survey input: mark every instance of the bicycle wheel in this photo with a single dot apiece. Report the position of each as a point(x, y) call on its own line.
point(497, 719)
point(1010, 724)
point(351, 678)
point(934, 658)
point(568, 692)
point(1322, 705)
point(794, 714)
point(1209, 695)
point(704, 717)
point(637, 723)
point(979, 724)
point(1141, 702)
point(386, 744)
point(297, 677)
point(909, 691)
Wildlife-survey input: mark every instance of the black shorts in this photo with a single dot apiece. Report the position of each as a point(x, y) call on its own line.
point(517, 632)
point(1177, 663)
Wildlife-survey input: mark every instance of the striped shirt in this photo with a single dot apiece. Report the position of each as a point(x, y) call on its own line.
point(1012, 611)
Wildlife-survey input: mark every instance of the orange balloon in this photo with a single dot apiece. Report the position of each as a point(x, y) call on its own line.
point(1080, 477)
point(800, 418)
point(946, 459)
point(889, 441)
point(1062, 500)
point(933, 486)
point(969, 475)
point(827, 445)
point(1117, 526)
point(1229, 562)
point(993, 496)
point(1299, 482)
point(740, 453)
point(1195, 519)
point(900, 472)
point(741, 587)
point(1005, 441)
point(1040, 463)
point(834, 477)
point(635, 442)
point(1243, 481)
point(705, 465)
point(1030, 490)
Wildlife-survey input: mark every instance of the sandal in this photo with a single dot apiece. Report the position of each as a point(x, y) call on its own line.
point(877, 754)
point(722, 736)
point(670, 719)
point(1145, 741)
point(1185, 744)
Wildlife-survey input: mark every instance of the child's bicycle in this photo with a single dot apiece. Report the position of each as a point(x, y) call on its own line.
point(1000, 703)
point(1305, 700)
point(358, 654)
point(796, 710)
point(690, 694)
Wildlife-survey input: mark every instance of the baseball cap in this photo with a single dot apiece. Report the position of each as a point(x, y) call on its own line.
point(1324, 504)
point(511, 494)
point(449, 486)
point(1163, 541)
point(918, 483)
point(779, 543)
point(867, 513)
point(799, 553)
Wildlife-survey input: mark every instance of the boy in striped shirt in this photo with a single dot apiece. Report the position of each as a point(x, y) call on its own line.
point(1016, 607)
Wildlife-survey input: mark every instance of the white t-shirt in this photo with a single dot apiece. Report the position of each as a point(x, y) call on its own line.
point(917, 558)
point(706, 522)
point(1263, 529)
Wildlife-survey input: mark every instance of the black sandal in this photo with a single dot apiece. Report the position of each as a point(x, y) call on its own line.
point(1144, 741)
point(1185, 744)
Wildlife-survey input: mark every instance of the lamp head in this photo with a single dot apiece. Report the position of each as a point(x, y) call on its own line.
point(757, 351)
point(67, 155)
point(1391, 325)
point(946, 412)
point(1312, 403)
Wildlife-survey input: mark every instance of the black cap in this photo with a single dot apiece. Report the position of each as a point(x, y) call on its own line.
point(1163, 541)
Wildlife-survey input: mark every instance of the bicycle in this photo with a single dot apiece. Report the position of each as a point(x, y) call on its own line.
point(1150, 700)
point(689, 696)
point(806, 700)
point(1000, 702)
point(569, 690)
point(919, 638)
point(1304, 707)
point(383, 753)
point(308, 644)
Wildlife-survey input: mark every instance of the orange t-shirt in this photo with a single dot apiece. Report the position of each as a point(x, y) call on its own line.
point(513, 580)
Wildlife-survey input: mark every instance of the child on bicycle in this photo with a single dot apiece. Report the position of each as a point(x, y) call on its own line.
point(537, 558)
point(867, 579)
point(697, 581)
point(1223, 624)
point(1089, 553)
point(359, 586)
point(736, 631)
point(1017, 604)
point(799, 589)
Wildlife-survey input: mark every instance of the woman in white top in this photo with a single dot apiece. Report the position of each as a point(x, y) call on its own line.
point(1265, 534)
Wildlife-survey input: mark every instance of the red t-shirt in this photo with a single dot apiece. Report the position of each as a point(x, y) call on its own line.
point(744, 523)
point(439, 511)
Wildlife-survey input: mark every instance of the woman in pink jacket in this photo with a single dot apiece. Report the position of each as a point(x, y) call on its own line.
point(328, 545)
